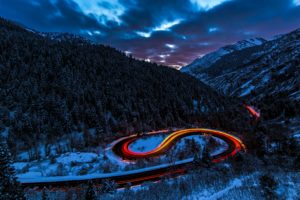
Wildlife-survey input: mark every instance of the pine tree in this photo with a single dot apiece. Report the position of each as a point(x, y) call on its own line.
point(9, 187)
point(90, 193)
point(197, 160)
point(296, 162)
point(206, 159)
point(197, 155)
point(108, 186)
point(268, 185)
point(44, 194)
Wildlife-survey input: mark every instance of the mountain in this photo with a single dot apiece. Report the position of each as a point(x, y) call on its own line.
point(266, 74)
point(65, 37)
point(207, 60)
point(50, 88)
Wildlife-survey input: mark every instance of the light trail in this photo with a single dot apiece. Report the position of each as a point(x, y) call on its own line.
point(235, 144)
point(253, 112)
point(121, 148)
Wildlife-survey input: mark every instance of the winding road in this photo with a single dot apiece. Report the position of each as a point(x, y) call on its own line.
point(135, 177)
point(122, 147)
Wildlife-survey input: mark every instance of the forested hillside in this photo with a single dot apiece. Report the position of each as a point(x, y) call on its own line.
point(266, 74)
point(51, 87)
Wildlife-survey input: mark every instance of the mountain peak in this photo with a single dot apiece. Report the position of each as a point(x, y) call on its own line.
point(246, 43)
point(269, 68)
point(210, 58)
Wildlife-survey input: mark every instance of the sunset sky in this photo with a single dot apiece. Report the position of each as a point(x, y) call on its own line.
point(169, 32)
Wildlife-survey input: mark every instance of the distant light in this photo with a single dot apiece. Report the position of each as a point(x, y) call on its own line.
point(171, 46)
point(128, 52)
point(164, 55)
point(213, 29)
point(297, 2)
point(143, 34)
point(207, 4)
point(148, 60)
point(178, 67)
point(165, 26)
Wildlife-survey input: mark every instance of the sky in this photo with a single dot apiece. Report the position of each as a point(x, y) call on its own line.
point(169, 32)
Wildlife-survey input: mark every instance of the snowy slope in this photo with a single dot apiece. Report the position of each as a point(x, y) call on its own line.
point(207, 60)
point(269, 68)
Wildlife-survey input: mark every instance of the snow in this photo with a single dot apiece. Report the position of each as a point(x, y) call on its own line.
point(29, 175)
point(247, 91)
point(151, 142)
point(73, 163)
point(256, 41)
point(207, 60)
point(221, 147)
point(296, 95)
point(23, 156)
point(213, 193)
point(78, 157)
point(195, 104)
point(36, 177)
point(20, 165)
point(210, 195)
point(68, 166)
point(5, 132)
point(246, 186)
point(146, 144)
point(297, 135)
point(29, 30)
point(199, 139)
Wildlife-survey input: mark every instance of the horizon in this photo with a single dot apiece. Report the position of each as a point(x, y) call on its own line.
point(145, 59)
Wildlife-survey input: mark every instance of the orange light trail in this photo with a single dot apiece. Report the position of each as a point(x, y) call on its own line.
point(170, 139)
point(121, 148)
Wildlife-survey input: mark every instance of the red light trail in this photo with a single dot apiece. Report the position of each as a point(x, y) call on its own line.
point(121, 148)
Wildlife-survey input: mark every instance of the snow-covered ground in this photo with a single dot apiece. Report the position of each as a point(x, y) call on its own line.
point(247, 187)
point(75, 163)
point(147, 143)
point(34, 178)
point(211, 195)
point(82, 165)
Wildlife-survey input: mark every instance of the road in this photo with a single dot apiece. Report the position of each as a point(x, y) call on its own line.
point(122, 147)
point(135, 177)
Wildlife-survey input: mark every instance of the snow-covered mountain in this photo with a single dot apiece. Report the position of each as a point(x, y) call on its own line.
point(207, 60)
point(253, 70)
point(68, 37)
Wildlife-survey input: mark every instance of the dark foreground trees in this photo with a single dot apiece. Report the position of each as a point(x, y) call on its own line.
point(108, 186)
point(268, 185)
point(9, 187)
point(90, 192)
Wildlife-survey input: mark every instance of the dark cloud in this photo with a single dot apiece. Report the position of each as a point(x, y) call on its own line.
point(168, 32)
